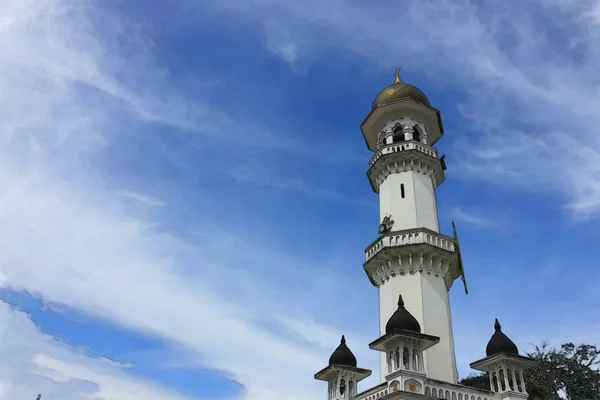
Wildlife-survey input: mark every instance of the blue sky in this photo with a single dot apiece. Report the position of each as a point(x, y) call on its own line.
point(183, 199)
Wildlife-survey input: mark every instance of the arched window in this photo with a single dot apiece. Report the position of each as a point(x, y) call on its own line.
point(415, 360)
point(502, 381)
point(434, 393)
point(427, 391)
point(398, 135)
point(406, 358)
point(397, 358)
point(342, 388)
point(417, 133)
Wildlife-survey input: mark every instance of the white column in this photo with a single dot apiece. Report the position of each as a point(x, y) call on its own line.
point(506, 379)
point(514, 379)
point(491, 375)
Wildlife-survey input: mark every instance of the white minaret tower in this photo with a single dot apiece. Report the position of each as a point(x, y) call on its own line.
point(410, 257)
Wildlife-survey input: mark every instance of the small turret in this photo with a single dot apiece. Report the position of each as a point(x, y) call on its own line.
point(403, 345)
point(504, 366)
point(342, 375)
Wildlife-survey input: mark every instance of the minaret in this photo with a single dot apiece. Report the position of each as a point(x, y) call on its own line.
point(410, 256)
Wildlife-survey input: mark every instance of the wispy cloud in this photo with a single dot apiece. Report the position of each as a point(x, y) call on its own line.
point(478, 219)
point(33, 363)
point(261, 177)
point(71, 92)
point(531, 100)
point(147, 200)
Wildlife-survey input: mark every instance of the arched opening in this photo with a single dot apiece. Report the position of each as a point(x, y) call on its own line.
point(434, 393)
point(511, 384)
point(427, 391)
point(447, 397)
point(351, 391)
point(397, 358)
point(502, 380)
point(519, 383)
point(389, 362)
point(495, 382)
point(415, 360)
point(417, 133)
point(342, 388)
point(398, 134)
point(406, 358)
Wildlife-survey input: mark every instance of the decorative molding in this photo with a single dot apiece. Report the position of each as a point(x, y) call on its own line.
point(408, 158)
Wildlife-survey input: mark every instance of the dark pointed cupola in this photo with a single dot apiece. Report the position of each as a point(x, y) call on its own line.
point(402, 320)
point(500, 343)
point(342, 374)
point(342, 355)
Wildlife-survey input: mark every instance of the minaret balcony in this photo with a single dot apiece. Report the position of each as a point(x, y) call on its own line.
point(412, 251)
point(402, 157)
point(403, 146)
point(409, 237)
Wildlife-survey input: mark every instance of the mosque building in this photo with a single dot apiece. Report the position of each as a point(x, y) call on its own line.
point(414, 266)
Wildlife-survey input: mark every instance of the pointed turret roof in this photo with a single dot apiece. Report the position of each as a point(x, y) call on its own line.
point(342, 355)
point(500, 343)
point(402, 320)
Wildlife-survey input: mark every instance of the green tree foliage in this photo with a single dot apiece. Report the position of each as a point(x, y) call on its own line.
point(479, 381)
point(571, 371)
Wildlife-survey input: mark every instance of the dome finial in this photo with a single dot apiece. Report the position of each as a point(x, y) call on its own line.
point(400, 301)
point(343, 341)
point(397, 76)
point(497, 325)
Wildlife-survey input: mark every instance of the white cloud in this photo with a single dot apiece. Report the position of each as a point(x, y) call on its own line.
point(531, 100)
point(141, 198)
point(32, 362)
point(66, 236)
point(477, 219)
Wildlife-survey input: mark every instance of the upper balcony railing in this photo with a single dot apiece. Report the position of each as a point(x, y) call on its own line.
point(403, 146)
point(412, 236)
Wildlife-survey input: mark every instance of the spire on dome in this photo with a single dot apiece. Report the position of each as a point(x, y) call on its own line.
point(397, 76)
point(402, 320)
point(500, 343)
point(342, 355)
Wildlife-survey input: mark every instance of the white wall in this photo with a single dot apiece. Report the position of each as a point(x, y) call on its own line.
point(418, 207)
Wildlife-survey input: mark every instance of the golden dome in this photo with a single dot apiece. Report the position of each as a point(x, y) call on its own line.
point(399, 90)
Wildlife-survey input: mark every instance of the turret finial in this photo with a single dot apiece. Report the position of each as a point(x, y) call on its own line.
point(343, 341)
point(397, 76)
point(400, 301)
point(497, 325)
